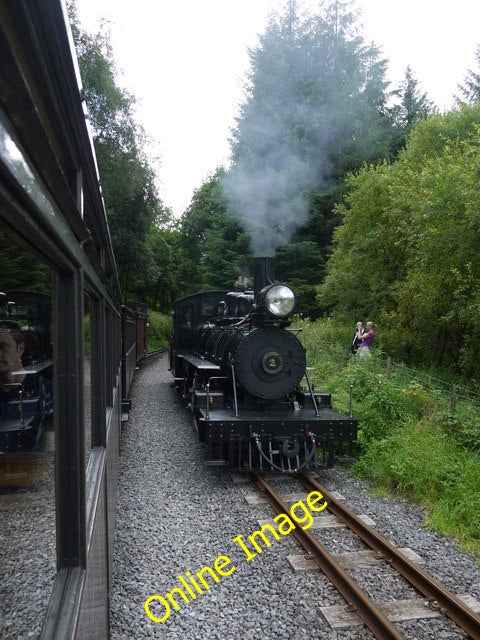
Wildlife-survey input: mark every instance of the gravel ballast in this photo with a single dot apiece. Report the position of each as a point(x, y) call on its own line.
point(176, 515)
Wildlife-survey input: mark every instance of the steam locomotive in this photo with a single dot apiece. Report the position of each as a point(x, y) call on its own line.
point(239, 367)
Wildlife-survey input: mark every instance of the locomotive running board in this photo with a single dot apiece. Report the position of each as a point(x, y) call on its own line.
point(200, 363)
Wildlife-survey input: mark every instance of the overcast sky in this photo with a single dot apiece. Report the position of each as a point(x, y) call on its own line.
point(185, 61)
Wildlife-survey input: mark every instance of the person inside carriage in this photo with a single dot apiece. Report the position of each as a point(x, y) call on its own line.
point(24, 394)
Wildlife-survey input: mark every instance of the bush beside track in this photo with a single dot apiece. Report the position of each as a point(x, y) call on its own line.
point(159, 327)
point(410, 443)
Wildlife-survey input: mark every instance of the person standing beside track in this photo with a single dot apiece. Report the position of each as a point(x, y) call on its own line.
point(355, 340)
point(365, 339)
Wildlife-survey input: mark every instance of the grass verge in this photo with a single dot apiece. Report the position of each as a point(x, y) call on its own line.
point(408, 443)
point(419, 461)
point(159, 327)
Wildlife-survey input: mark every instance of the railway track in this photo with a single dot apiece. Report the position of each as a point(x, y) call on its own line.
point(156, 352)
point(438, 597)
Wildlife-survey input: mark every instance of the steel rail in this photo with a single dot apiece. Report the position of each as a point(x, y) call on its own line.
point(365, 608)
point(149, 354)
point(439, 596)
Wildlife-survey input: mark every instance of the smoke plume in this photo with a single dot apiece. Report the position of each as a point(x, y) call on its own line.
point(306, 94)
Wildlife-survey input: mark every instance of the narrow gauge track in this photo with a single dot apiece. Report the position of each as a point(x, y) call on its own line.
point(157, 352)
point(438, 596)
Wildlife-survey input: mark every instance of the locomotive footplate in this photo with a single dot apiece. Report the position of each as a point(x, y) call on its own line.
point(200, 363)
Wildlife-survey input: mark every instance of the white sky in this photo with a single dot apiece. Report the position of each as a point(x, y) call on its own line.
point(185, 61)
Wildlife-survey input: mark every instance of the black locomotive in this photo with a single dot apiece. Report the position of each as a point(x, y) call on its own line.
point(239, 367)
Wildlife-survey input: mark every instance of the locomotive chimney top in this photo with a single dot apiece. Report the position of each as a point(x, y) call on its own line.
point(264, 273)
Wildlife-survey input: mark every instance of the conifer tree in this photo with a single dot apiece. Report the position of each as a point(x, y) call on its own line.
point(470, 90)
point(414, 106)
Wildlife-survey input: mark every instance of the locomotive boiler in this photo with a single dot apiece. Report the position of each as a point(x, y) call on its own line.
point(240, 367)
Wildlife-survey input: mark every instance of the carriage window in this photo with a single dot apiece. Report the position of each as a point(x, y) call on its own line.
point(87, 395)
point(111, 333)
point(27, 502)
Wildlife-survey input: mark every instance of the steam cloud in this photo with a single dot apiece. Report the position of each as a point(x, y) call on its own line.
point(307, 94)
point(268, 191)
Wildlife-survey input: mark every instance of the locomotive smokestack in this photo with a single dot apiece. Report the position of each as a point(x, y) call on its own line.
point(264, 273)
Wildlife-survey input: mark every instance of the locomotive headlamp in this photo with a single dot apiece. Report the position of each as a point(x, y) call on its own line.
point(279, 300)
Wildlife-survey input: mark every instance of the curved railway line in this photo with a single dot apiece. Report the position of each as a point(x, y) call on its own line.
point(437, 597)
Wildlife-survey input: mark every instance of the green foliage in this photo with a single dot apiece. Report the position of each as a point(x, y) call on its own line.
point(325, 341)
point(158, 284)
point(463, 426)
point(413, 107)
point(141, 230)
point(214, 249)
point(314, 107)
point(406, 252)
point(300, 264)
point(110, 107)
point(158, 332)
point(409, 444)
point(362, 271)
point(421, 461)
point(20, 269)
point(378, 406)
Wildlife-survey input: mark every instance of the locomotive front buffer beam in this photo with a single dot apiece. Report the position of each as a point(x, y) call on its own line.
point(273, 444)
